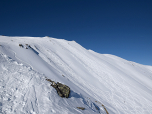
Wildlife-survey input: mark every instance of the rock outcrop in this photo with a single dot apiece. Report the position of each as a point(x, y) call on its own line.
point(62, 90)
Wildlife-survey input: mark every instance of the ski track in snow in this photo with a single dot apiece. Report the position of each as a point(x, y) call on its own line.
point(18, 82)
point(20, 92)
point(15, 86)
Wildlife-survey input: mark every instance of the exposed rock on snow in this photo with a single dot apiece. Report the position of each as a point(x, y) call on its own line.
point(21, 45)
point(82, 108)
point(62, 90)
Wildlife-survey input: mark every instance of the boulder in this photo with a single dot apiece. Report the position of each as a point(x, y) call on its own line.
point(62, 90)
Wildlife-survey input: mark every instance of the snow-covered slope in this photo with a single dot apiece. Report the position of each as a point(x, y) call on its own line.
point(98, 82)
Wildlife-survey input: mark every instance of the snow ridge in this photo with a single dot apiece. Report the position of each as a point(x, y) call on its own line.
point(97, 81)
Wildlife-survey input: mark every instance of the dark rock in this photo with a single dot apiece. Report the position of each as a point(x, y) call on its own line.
point(30, 46)
point(82, 108)
point(21, 45)
point(62, 90)
point(50, 80)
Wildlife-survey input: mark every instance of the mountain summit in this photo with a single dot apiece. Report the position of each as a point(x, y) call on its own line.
point(99, 83)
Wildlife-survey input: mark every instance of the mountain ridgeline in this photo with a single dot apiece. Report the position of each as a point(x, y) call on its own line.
point(43, 75)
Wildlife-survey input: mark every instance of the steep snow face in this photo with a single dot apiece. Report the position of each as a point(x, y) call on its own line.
point(97, 81)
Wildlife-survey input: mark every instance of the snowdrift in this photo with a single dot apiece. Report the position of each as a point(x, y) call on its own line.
point(99, 83)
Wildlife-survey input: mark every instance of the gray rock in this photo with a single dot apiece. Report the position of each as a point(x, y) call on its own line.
point(62, 90)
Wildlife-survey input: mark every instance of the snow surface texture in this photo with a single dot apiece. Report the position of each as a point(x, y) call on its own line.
point(96, 80)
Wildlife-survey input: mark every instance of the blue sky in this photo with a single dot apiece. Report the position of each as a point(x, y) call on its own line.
point(119, 27)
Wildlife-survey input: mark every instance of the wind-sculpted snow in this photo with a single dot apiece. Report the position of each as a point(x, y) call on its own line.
point(25, 91)
point(97, 81)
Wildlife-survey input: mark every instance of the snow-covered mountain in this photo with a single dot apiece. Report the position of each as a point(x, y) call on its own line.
point(100, 83)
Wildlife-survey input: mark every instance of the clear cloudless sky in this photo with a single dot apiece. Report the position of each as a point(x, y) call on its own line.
point(119, 27)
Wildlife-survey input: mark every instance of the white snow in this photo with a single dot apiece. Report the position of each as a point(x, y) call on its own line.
point(122, 86)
